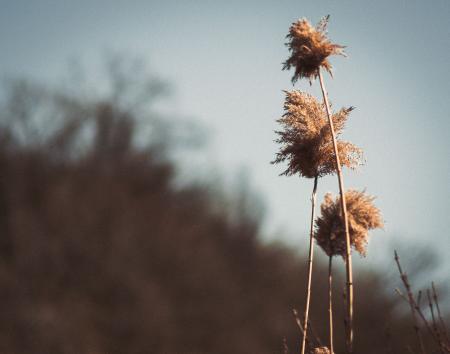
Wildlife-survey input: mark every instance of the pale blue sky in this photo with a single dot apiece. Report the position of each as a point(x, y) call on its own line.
point(224, 60)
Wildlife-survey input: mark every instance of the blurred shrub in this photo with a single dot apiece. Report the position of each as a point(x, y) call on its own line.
point(99, 253)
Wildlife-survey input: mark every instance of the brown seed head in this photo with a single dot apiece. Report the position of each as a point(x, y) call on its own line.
point(306, 139)
point(321, 350)
point(362, 216)
point(310, 48)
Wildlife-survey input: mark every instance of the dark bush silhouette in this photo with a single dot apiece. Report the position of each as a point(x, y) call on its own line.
point(100, 253)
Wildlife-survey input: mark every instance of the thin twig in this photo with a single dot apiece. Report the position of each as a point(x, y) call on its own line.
point(434, 323)
point(430, 305)
point(398, 291)
point(444, 346)
point(441, 320)
point(415, 309)
point(299, 325)
point(429, 328)
point(285, 346)
point(314, 334)
point(411, 302)
point(419, 298)
point(348, 256)
point(310, 265)
point(298, 322)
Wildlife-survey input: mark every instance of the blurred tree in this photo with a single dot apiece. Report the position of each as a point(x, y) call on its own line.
point(100, 253)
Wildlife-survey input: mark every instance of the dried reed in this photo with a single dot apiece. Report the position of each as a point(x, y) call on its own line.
point(348, 258)
point(330, 301)
point(330, 232)
point(310, 49)
point(305, 138)
point(362, 217)
point(309, 152)
point(310, 264)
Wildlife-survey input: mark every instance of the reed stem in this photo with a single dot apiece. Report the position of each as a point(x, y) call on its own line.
point(348, 257)
point(330, 301)
point(310, 264)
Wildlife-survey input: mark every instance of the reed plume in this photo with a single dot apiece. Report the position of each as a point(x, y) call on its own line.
point(330, 232)
point(305, 140)
point(307, 147)
point(310, 49)
point(362, 217)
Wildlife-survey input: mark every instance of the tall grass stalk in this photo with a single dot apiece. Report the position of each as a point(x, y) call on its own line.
point(310, 264)
point(330, 301)
point(348, 258)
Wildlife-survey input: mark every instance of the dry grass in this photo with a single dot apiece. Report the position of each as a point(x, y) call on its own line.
point(308, 144)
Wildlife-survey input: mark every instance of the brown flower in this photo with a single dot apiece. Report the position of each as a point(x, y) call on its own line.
point(306, 139)
point(362, 216)
point(309, 48)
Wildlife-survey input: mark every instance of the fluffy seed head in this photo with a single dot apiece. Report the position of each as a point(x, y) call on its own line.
point(310, 49)
point(362, 216)
point(306, 142)
point(321, 350)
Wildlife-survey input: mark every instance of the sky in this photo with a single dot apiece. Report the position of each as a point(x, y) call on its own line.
point(224, 59)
